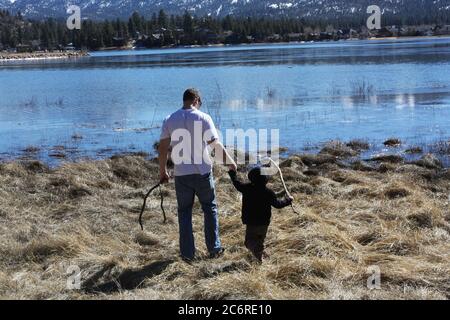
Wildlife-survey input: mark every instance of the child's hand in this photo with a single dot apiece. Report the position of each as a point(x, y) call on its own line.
point(232, 167)
point(232, 174)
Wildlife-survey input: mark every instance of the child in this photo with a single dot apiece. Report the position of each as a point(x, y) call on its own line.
point(257, 201)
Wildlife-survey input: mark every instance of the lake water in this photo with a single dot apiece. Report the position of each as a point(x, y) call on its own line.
point(115, 101)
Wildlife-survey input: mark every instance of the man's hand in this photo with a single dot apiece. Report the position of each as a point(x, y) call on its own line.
point(163, 154)
point(164, 177)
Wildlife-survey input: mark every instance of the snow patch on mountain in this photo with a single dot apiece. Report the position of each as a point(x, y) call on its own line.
point(107, 9)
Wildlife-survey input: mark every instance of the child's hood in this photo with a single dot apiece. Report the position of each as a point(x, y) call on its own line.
point(257, 178)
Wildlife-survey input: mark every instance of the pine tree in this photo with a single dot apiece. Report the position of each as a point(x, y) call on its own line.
point(162, 19)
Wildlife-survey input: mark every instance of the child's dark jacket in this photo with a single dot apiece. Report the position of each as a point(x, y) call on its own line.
point(257, 201)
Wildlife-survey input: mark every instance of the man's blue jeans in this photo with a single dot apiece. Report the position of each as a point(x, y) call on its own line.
point(186, 188)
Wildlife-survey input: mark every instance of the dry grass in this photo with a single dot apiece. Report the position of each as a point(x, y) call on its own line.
point(395, 216)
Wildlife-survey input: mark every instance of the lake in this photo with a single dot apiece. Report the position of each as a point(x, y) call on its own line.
point(115, 101)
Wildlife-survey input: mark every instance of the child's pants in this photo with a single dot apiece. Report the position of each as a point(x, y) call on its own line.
point(254, 239)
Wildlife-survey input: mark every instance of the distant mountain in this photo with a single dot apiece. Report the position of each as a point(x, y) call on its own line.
point(107, 9)
point(5, 4)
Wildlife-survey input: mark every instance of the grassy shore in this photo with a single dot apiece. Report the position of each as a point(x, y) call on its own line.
point(6, 56)
point(353, 214)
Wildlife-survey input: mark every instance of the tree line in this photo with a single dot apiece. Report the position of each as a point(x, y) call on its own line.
point(161, 29)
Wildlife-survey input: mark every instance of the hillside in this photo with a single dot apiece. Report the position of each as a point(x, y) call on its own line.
point(297, 8)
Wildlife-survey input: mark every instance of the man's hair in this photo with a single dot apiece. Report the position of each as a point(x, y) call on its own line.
point(191, 94)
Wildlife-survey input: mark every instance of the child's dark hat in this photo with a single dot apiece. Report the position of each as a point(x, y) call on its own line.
point(256, 177)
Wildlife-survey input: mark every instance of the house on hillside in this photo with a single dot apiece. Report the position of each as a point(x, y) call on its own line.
point(231, 38)
point(425, 30)
point(294, 36)
point(212, 37)
point(395, 30)
point(141, 42)
point(70, 47)
point(119, 42)
point(36, 45)
point(442, 30)
point(274, 37)
point(326, 36)
point(21, 48)
point(179, 34)
point(208, 36)
point(162, 36)
point(347, 33)
point(381, 33)
point(227, 33)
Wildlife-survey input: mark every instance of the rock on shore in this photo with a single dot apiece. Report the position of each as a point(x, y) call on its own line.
point(41, 55)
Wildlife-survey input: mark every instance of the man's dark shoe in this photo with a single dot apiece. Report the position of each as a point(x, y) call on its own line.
point(218, 254)
point(188, 260)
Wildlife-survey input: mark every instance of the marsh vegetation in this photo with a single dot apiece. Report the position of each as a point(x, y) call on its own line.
point(353, 214)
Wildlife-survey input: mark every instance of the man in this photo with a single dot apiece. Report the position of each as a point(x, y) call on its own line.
point(189, 132)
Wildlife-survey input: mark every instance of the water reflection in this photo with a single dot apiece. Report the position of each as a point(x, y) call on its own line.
point(115, 101)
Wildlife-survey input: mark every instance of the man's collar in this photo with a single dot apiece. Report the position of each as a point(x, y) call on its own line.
point(189, 108)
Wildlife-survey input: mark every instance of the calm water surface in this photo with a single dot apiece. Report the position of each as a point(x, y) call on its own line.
point(115, 101)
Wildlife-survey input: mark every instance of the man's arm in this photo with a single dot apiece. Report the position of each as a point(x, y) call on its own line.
point(163, 151)
point(211, 136)
point(222, 154)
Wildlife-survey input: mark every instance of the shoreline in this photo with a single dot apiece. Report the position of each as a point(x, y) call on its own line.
point(409, 37)
point(28, 56)
point(31, 56)
point(218, 45)
point(436, 155)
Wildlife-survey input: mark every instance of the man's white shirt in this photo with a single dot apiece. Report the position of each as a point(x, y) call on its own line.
point(190, 130)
